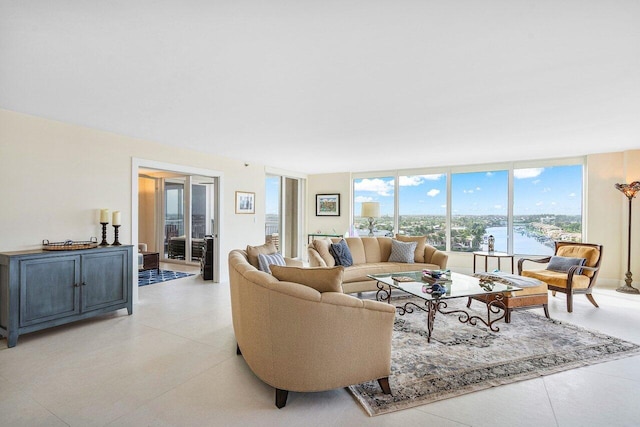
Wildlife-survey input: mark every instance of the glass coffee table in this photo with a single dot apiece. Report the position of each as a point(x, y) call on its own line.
point(460, 286)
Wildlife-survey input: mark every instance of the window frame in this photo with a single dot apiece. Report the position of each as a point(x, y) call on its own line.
point(485, 167)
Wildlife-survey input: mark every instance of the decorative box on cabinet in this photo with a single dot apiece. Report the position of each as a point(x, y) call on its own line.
point(40, 289)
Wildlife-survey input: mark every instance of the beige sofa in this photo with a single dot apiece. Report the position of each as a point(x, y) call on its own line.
point(295, 338)
point(370, 255)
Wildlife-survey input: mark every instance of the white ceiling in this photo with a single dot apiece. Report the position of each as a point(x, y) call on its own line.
point(334, 85)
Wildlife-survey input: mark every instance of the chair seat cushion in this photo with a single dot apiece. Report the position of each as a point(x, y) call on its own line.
point(558, 279)
point(533, 290)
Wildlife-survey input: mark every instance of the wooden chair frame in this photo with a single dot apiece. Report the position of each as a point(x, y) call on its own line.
point(569, 290)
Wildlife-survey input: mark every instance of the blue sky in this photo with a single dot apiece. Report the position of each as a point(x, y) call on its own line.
point(553, 190)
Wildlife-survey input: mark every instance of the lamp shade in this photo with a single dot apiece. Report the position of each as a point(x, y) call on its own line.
point(629, 190)
point(370, 210)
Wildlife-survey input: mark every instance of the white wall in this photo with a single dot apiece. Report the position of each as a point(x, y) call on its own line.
point(56, 176)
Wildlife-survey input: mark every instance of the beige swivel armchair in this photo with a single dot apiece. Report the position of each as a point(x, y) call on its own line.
point(295, 338)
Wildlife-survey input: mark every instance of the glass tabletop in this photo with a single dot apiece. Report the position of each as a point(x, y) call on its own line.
point(460, 285)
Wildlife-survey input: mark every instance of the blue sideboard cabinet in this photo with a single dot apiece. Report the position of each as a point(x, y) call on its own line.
point(40, 289)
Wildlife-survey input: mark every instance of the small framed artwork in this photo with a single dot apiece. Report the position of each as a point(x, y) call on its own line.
point(327, 204)
point(245, 202)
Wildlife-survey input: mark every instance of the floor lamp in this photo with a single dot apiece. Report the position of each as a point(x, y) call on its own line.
point(630, 191)
point(370, 210)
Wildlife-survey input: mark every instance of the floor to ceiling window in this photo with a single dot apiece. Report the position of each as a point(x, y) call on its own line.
point(377, 193)
point(422, 207)
point(525, 207)
point(284, 213)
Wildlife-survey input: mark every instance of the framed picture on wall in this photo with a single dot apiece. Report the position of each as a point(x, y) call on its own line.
point(327, 204)
point(245, 202)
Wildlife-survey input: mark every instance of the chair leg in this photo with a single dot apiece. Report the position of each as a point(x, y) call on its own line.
point(384, 385)
point(590, 298)
point(546, 311)
point(238, 352)
point(569, 302)
point(507, 315)
point(553, 293)
point(281, 398)
point(469, 302)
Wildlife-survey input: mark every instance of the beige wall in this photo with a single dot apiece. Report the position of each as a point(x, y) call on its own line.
point(56, 176)
point(147, 213)
point(339, 183)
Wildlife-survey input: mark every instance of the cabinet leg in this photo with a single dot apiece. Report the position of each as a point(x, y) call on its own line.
point(12, 340)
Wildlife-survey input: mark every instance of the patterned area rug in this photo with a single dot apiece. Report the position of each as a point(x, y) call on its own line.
point(149, 277)
point(462, 358)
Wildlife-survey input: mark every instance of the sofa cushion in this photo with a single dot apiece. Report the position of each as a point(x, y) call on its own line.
point(402, 251)
point(357, 249)
point(322, 247)
point(254, 251)
point(264, 261)
point(341, 253)
point(563, 264)
point(322, 279)
point(421, 244)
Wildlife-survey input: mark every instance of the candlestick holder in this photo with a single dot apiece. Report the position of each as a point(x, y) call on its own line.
point(116, 242)
point(104, 234)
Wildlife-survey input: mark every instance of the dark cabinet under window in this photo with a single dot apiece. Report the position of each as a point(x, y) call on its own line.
point(40, 289)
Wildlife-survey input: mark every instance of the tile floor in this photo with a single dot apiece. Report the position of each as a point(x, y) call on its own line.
point(173, 363)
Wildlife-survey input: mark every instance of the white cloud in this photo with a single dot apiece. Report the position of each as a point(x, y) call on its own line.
point(497, 206)
point(489, 173)
point(376, 185)
point(536, 181)
point(433, 192)
point(539, 203)
point(467, 191)
point(527, 173)
point(411, 181)
point(546, 189)
point(443, 206)
point(361, 199)
point(434, 177)
point(572, 194)
point(478, 189)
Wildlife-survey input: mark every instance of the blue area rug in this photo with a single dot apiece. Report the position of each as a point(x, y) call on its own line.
point(149, 277)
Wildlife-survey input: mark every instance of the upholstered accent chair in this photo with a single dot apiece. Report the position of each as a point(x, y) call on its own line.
point(578, 277)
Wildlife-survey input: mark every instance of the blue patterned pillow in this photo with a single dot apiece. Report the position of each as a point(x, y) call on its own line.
point(402, 251)
point(341, 253)
point(264, 261)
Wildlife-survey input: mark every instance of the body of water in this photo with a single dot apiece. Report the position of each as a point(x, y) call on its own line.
point(522, 244)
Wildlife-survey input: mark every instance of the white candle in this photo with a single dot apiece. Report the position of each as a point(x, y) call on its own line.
point(104, 215)
point(116, 218)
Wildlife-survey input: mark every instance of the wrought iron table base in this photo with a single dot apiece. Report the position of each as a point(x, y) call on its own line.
point(437, 305)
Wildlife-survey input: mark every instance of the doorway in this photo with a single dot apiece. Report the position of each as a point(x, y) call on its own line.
point(189, 212)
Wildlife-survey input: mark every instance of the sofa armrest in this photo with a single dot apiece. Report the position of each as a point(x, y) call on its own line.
point(539, 261)
point(439, 258)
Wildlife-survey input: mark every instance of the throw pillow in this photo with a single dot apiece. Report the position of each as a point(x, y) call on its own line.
point(421, 244)
point(341, 253)
point(322, 279)
point(254, 251)
point(562, 264)
point(264, 261)
point(402, 251)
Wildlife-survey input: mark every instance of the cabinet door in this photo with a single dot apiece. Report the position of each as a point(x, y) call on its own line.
point(49, 289)
point(104, 280)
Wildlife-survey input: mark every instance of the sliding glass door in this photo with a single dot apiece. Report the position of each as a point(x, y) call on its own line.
point(284, 213)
